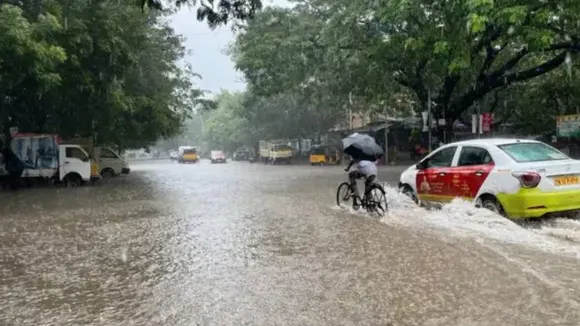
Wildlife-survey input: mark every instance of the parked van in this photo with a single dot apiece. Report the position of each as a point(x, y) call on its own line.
point(110, 163)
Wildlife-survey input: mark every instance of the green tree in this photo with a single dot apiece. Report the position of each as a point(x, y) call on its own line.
point(94, 68)
point(225, 128)
point(458, 51)
point(216, 13)
point(294, 92)
point(28, 63)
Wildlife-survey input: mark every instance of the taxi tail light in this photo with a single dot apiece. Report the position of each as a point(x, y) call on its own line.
point(528, 179)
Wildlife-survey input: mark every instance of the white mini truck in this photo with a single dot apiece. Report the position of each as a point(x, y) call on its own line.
point(45, 157)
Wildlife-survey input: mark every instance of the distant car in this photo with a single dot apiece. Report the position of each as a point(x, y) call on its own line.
point(218, 157)
point(173, 155)
point(241, 155)
point(515, 178)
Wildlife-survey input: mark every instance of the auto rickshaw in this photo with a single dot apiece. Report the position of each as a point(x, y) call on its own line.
point(188, 155)
point(324, 155)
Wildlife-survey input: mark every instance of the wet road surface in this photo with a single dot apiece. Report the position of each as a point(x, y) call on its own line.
point(248, 244)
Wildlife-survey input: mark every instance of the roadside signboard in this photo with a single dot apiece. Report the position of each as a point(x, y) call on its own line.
point(568, 125)
point(486, 121)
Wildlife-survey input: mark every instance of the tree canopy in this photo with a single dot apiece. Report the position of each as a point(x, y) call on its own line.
point(369, 54)
point(215, 13)
point(93, 68)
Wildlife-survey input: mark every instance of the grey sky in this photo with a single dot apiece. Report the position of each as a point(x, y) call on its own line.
point(207, 46)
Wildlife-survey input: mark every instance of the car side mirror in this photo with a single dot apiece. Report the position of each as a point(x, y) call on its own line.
point(422, 165)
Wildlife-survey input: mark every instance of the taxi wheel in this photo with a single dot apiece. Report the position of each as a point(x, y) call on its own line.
point(490, 203)
point(408, 191)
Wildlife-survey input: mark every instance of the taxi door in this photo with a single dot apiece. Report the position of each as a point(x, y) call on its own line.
point(468, 175)
point(434, 176)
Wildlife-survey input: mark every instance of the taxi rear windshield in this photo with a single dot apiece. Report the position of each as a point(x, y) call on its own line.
point(532, 152)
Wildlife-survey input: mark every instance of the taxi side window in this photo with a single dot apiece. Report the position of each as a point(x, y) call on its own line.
point(474, 156)
point(442, 159)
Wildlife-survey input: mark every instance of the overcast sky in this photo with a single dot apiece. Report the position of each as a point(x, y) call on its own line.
point(207, 46)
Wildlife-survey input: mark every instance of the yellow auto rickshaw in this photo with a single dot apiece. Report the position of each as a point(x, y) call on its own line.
point(188, 155)
point(324, 155)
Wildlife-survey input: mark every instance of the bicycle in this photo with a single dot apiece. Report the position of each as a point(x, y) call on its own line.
point(374, 199)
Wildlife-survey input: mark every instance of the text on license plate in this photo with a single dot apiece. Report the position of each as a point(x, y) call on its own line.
point(564, 181)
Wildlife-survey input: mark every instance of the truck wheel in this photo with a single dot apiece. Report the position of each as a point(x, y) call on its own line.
point(107, 173)
point(73, 181)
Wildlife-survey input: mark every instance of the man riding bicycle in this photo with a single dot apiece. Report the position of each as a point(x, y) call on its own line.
point(365, 169)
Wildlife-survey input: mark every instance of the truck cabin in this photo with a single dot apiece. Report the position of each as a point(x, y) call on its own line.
point(78, 153)
point(281, 147)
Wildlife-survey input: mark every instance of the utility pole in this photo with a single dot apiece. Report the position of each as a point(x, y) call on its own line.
point(386, 135)
point(201, 138)
point(478, 128)
point(429, 122)
point(350, 111)
point(445, 126)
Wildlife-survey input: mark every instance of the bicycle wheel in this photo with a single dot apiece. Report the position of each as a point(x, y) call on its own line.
point(377, 201)
point(344, 195)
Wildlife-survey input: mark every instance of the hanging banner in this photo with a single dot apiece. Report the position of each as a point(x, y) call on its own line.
point(425, 115)
point(474, 123)
point(480, 124)
point(487, 121)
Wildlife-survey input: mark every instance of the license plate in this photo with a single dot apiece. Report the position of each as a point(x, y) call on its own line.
point(564, 181)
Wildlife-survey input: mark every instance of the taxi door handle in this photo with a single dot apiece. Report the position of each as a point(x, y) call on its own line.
point(442, 174)
point(479, 173)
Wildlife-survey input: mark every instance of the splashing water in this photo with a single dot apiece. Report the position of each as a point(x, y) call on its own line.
point(461, 218)
point(124, 254)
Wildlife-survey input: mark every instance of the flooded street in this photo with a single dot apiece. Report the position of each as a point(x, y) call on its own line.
point(248, 244)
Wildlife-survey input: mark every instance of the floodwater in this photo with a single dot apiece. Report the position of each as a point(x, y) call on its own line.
point(248, 244)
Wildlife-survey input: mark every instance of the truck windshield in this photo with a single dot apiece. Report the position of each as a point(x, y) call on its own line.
point(532, 152)
point(190, 151)
point(277, 148)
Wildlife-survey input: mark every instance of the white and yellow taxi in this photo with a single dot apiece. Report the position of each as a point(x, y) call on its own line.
point(516, 178)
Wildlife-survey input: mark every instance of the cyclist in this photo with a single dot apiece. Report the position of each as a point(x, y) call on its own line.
point(365, 169)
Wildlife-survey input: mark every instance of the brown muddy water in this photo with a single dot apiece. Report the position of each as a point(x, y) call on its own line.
point(248, 244)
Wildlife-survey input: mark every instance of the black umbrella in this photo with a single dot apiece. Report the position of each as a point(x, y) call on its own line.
point(361, 147)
